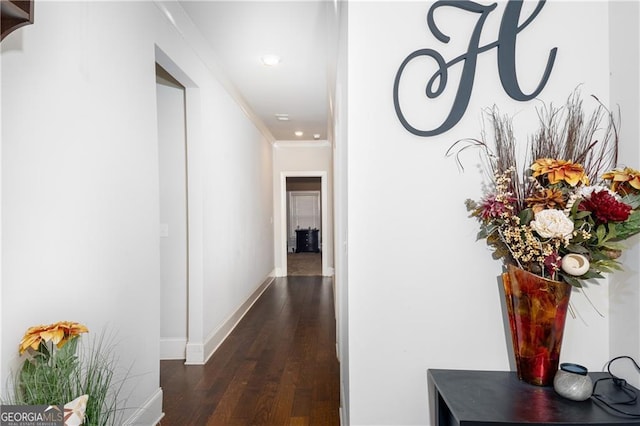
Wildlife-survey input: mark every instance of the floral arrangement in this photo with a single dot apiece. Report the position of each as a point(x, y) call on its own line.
point(564, 215)
point(41, 338)
point(55, 372)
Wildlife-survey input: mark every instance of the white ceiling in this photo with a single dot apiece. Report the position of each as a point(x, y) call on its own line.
point(241, 32)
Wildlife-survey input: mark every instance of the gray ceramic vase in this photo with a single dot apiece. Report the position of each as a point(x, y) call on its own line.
point(573, 382)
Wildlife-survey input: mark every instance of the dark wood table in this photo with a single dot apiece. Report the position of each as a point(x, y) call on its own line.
point(463, 397)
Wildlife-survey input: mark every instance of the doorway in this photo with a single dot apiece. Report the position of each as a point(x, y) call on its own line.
point(172, 166)
point(309, 189)
point(304, 226)
point(192, 176)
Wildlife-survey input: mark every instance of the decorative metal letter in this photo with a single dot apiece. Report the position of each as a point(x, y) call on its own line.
point(506, 44)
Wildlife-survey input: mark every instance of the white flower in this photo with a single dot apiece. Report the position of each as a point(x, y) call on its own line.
point(586, 191)
point(551, 223)
point(575, 264)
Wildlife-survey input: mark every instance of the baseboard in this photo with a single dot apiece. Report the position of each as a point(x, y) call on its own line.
point(172, 349)
point(200, 354)
point(194, 354)
point(344, 410)
point(149, 414)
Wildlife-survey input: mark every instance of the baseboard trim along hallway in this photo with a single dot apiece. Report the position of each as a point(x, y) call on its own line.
point(198, 354)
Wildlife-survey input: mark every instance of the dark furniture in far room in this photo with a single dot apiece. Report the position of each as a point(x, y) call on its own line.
point(472, 398)
point(307, 240)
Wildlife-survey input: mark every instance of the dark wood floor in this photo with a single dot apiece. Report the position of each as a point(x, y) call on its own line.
point(277, 368)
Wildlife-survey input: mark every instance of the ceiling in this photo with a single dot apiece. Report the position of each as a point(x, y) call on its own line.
point(240, 33)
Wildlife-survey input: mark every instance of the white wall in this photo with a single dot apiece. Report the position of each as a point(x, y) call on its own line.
point(624, 291)
point(80, 185)
point(80, 189)
point(238, 232)
point(426, 294)
point(229, 191)
point(298, 158)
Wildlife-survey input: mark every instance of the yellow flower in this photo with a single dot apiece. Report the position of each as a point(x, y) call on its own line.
point(546, 199)
point(560, 171)
point(623, 181)
point(32, 338)
point(58, 333)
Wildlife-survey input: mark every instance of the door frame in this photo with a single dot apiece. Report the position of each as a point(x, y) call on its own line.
point(194, 351)
point(283, 214)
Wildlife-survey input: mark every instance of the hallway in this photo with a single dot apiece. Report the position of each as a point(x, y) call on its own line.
point(277, 368)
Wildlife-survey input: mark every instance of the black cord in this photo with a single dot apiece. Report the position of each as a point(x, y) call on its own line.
point(620, 384)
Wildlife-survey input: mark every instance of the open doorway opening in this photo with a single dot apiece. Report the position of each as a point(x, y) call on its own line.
point(304, 226)
point(172, 166)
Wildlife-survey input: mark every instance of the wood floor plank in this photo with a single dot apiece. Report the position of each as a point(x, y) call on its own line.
point(286, 391)
point(299, 421)
point(322, 414)
point(278, 367)
point(301, 404)
point(233, 393)
point(265, 404)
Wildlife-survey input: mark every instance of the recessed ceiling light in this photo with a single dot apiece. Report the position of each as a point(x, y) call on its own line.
point(270, 60)
point(316, 135)
point(282, 117)
point(299, 133)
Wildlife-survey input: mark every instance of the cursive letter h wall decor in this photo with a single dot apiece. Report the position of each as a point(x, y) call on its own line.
point(506, 54)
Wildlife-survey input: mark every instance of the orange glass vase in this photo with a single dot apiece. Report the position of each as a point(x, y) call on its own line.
point(537, 309)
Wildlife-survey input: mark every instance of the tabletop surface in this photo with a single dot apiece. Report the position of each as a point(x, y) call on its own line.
point(499, 397)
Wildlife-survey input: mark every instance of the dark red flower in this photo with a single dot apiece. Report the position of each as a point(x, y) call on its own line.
point(605, 207)
point(552, 263)
point(492, 208)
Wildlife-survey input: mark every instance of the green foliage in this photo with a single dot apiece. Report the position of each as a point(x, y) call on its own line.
point(526, 216)
point(56, 376)
point(100, 381)
point(44, 380)
point(571, 280)
point(632, 199)
point(629, 227)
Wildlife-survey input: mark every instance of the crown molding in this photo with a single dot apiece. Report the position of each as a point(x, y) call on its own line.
point(178, 19)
